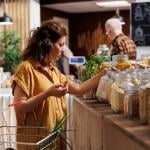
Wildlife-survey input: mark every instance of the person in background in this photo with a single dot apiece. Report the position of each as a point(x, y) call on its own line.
point(121, 44)
point(63, 61)
point(60, 63)
point(38, 86)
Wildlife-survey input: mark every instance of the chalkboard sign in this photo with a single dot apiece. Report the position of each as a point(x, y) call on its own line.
point(140, 21)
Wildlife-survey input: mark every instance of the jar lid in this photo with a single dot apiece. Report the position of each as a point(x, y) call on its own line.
point(103, 47)
point(130, 88)
point(123, 75)
point(116, 58)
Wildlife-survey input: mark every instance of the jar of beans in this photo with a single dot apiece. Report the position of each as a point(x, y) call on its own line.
point(131, 102)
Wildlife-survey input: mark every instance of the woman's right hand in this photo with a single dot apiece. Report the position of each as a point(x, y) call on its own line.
point(57, 90)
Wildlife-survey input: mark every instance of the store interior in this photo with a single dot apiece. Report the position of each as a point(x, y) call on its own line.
point(115, 115)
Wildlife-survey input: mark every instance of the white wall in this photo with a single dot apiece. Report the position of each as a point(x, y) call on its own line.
point(143, 51)
point(35, 14)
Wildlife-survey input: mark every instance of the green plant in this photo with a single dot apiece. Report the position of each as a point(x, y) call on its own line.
point(10, 43)
point(92, 66)
point(58, 129)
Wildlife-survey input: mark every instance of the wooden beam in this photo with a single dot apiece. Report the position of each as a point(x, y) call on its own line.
point(45, 2)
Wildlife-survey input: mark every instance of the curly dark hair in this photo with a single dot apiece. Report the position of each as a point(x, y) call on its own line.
point(41, 40)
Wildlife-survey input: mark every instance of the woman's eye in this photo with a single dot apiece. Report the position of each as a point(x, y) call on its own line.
point(61, 45)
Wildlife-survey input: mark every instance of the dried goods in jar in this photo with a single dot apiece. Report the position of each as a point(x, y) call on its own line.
point(144, 94)
point(131, 103)
point(117, 98)
point(103, 90)
point(123, 66)
point(109, 84)
point(148, 111)
point(122, 63)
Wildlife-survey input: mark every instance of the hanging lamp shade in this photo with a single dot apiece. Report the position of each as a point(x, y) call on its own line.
point(120, 18)
point(5, 19)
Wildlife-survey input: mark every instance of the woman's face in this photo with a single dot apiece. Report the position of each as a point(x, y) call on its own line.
point(58, 49)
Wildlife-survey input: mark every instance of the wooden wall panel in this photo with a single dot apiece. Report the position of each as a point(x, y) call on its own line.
point(47, 13)
point(87, 31)
point(19, 11)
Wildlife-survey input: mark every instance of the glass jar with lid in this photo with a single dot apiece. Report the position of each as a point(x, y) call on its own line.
point(144, 97)
point(104, 51)
point(122, 63)
point(121, 79)
point(144, 77)
point(131, 102)
point(120, 58)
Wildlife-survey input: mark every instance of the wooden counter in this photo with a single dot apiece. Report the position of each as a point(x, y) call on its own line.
point(97, 128)
point(123, 134)
point(87, 121)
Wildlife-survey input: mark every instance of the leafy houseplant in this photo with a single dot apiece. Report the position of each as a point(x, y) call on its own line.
point(10, 44)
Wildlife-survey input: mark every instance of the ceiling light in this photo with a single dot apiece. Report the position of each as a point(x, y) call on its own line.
point(5, 19)
point(120, 3)
point(120, 18)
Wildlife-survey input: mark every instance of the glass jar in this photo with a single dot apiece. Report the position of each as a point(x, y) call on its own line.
point(121, 79)
point(117, 99)
point(120, 58)
point(122, 63)
point(144, 95)
point(145, 77)
point(103, 50)
point(134, 79)
point(131, 102)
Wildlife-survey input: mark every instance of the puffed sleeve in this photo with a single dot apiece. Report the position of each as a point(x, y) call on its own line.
point(22, 79)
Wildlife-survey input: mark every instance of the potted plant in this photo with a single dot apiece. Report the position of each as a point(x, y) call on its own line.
point(10, 44)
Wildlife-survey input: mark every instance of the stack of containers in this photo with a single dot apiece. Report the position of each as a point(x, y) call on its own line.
point(144, 97)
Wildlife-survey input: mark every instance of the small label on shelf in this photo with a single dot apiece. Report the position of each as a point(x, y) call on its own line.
point(80, 60)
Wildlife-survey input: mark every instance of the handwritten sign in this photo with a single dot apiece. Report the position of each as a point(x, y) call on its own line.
point(140, 21)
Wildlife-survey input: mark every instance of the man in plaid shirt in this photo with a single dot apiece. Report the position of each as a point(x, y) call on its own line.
point(121, 44)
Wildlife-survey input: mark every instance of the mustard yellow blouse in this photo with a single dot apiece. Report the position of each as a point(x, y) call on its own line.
point(32, 78)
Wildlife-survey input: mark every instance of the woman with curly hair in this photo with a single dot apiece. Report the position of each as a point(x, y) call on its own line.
point(39, 86)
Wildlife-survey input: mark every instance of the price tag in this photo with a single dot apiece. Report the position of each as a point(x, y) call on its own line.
point(80, 60)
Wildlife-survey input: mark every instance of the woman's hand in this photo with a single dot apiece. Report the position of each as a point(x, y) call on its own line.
point(57, 90)
point(102, 72)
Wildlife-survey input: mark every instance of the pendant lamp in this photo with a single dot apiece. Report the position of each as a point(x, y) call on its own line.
point(5, 19)
point(120, 18)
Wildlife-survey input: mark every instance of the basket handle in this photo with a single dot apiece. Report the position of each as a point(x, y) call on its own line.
point(14, 103)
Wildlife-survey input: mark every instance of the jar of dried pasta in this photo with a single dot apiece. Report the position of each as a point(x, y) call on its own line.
point(131, 102)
